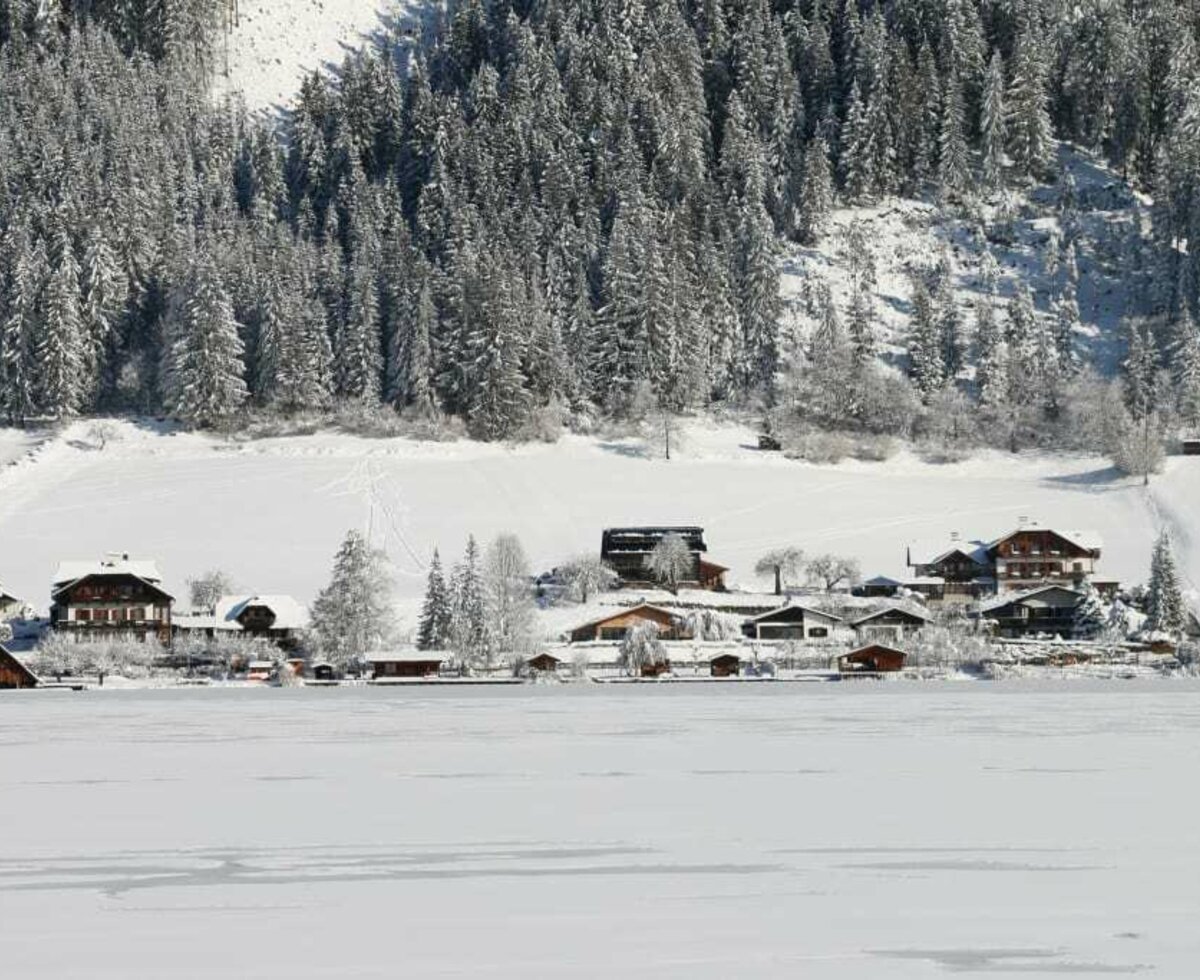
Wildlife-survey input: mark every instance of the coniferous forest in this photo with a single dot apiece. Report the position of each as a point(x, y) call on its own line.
point(536, 211)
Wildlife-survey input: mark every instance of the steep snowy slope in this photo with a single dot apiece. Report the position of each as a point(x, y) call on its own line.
point(273, 43)
point(905, 237)
point(272, 512)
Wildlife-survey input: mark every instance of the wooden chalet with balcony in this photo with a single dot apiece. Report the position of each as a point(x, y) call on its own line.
point(114, 598)
point(951, 571)
point(626, 550)
point(1033, 556)
point(1046, 611)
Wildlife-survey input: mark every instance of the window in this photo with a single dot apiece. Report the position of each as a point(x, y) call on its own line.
point(83, 615)
point(818, 632)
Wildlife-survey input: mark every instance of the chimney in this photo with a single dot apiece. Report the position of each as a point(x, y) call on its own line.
point(953, 535)
point(1022, 520)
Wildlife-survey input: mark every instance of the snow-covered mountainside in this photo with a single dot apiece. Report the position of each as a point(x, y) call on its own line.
point(906, 238)
point(272, 43)
point(272, 512)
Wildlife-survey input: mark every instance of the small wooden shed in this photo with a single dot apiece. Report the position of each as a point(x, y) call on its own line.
point(1191, 447)
point(543, 663)
point(725, 665)
point(405, 663)
point(656, 669)
point(874, 658)
point(322, 670)
point(13, 673)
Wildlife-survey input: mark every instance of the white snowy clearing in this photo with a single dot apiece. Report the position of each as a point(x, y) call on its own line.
point(849, 831)
point(272, 44)
point(272, 512)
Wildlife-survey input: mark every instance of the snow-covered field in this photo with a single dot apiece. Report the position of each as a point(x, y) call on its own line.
point(848, 831)
point(274, 43)
point(272, 512)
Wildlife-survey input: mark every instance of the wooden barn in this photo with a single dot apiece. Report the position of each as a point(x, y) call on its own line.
point(874, 658)
point(893, 623)
point(115, 598)
point(626, 551)
point(615, 626)
point(793, 622)
point(725, 665)
point(13, 673)
point(405, 663)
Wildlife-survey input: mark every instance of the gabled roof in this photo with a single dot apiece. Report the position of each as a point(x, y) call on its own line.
point(289, 614)
point(1086, 540)
point(935, 551)
point(1015, 597)
point(765, 617)
point(872, 646)
point(7, 656)
point(620, 611)
point(901, 610)
point(8, 596)
point(407, 657)
point(73, 571)
point(155, 584)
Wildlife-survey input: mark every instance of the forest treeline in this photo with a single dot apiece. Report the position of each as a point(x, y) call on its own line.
point(539, 209)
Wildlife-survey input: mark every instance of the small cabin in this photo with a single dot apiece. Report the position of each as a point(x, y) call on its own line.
point(405, 663)
point(893, 623)
point(1190, 447)
point(875, 658)
point(322, 670)
point(14, 674)
point(792, 622)
point(615, 627)
point(725, 665)
point(543, 663)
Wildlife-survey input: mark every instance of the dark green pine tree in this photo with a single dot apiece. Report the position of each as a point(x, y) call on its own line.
point(434, 632)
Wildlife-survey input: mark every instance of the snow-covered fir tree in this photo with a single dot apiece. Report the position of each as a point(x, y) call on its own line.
point(435, 627)
point(1165, 609)
point(353, 614)
point(205, 368)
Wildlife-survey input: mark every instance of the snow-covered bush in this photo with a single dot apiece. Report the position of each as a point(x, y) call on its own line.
point(711, 626)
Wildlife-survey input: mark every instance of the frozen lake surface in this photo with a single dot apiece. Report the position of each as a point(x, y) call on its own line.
point(848, 831)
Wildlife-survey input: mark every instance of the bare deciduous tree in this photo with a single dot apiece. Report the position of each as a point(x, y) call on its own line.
point(780, 562)
point(831, 571)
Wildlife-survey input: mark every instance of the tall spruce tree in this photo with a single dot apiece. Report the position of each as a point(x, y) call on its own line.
point(1165, 610)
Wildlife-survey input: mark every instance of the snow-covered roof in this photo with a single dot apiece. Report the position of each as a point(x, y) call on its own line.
point(73, 571)
point(1088, 540)
point(934, 551)
point(1008, 599)
point(406, 657)
point(289, 614)
point(905, 610)
point(797, 605)
point(619, 611)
